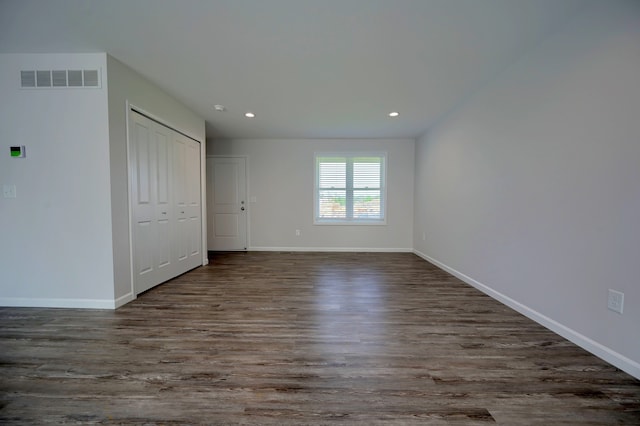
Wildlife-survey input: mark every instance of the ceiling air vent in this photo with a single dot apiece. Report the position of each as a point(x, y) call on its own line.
point(60, 79)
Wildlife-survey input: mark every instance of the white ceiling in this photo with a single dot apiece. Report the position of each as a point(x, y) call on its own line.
point(307, 68)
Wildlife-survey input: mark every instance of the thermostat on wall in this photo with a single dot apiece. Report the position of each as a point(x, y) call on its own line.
point(17, 151)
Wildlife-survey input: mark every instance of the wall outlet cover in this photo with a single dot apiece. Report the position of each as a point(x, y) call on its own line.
point(8, 191)
point(615, 301)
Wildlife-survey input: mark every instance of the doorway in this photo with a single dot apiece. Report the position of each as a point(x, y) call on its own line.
point(227, 203)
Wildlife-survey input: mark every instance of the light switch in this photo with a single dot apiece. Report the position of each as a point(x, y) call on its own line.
point(9, 191)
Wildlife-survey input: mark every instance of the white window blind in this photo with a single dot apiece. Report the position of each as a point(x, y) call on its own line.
point(350, 188)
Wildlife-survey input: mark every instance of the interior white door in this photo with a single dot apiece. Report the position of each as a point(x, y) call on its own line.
point(165, 202)
point(186, 173)
point(180, 199)
point(227, 203)
point(150, 157)
point(163, 214)
point(194, 206)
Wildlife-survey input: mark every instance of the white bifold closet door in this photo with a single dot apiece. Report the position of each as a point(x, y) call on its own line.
point(164, 166)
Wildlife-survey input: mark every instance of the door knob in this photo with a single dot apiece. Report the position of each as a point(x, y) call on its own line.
point(242, 208)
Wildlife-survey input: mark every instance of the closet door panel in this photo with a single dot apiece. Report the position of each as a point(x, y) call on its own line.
point(165, 202)
point(194, 211)
point(162, 178)
point(145, 237)
point(142, 152)
point(180, 193)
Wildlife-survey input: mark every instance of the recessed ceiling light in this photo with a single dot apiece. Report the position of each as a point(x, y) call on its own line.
point(219, 108)
point(249, 114)
point(394, 114)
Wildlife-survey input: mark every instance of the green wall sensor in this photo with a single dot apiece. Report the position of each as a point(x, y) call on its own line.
point(17, 151)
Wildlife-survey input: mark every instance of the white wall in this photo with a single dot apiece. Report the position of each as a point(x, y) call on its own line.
point(532, 187)
point(55, 237)
point(281, 177)
point(65, 238)
point(127, 85)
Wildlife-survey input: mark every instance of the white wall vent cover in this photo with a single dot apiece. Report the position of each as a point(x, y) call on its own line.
point(60, 79)
point(28, 78)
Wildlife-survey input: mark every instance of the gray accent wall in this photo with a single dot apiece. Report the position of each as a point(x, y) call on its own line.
point(530, 190)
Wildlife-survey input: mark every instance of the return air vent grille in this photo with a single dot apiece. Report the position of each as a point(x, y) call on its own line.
point(43, 78)
point(90, 78)
point(40, 79)
point(59, 78)
point(28, 78)
point(75, 78)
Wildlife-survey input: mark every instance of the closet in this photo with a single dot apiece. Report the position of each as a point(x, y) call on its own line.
point(166, 218)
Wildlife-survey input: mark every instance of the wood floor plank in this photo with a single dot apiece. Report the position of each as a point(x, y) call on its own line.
point(304, 338)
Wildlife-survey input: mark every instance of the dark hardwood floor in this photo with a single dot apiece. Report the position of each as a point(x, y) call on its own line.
point(304, 338)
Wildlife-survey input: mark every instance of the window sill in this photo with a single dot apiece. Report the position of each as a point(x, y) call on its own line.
point(350, 222)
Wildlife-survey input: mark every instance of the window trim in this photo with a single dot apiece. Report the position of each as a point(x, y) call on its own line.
point(352, 221)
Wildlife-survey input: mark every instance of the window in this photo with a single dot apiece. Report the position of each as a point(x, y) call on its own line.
point(350, 188)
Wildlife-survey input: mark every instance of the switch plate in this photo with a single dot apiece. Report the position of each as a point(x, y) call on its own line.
point(615, 301)
point(8, 191)
point(297, 232)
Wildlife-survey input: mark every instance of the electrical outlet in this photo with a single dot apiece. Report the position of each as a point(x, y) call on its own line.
point(615, 302)
point(297, 232)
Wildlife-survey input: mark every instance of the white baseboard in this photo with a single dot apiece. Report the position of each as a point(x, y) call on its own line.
point(122, 300)
point(24, 302)
point(334, 249)
point(609, 355)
